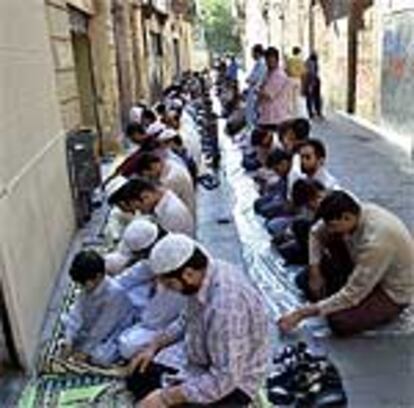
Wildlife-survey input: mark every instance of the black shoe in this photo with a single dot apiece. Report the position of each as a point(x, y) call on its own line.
point(280, 396)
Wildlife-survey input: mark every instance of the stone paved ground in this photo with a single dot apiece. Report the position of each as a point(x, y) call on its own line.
point(368, 165)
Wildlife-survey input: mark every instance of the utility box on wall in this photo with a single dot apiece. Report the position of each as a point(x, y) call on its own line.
point(83, 170)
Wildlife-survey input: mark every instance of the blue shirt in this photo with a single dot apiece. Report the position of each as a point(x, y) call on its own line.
point(96, 319)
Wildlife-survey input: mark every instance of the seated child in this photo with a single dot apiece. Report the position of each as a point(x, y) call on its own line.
point(306, 196)
point(274, 191)
point(262, 143)
point(101, 312)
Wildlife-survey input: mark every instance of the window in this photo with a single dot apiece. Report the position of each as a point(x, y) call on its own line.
point(156, 43)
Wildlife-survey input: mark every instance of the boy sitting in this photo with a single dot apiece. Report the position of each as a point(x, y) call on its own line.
point(261, 142)
point(99, 315)
point(275, 192)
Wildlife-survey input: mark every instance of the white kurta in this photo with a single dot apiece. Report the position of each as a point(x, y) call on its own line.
point(173, 215)
point(177, 178)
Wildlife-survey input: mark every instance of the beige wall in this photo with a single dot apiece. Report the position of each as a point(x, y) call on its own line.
point(103, 62)
point(35, 206)
point(104, 65)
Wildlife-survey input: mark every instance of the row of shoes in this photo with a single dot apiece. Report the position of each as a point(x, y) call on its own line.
point(207, 124)
point(301, 379)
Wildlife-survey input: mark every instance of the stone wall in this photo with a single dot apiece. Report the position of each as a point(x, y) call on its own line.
point(102, 63)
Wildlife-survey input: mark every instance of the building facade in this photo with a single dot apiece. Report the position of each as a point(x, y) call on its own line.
point(67, 66)
point(365, 53)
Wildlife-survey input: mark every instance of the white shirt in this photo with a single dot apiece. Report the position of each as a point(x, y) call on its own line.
point(191, 137)
point(322, 175)
point(173, 215)
point(326, 179)
point(177, 178)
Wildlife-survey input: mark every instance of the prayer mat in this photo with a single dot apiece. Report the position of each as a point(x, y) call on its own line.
point(70, 391)
point(59, 382)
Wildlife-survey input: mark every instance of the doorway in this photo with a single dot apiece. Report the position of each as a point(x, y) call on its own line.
point(79, 23)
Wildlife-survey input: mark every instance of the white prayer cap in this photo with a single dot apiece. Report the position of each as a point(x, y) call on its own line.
point(171, 252)
point(115, 262)
point(155, 129)
point(115, 185)
point(140, 234)
point(167, 134)
point(177, 103)
point(135, 114)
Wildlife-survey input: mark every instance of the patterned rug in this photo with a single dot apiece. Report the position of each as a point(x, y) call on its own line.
point(67, 383)
point(69, 390)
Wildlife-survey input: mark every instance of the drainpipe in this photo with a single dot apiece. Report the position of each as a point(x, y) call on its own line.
point(352, 56)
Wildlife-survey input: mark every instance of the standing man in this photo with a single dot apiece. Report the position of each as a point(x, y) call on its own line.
point(296, 71)
point(274, 93)
point(254, 81)
point(224, 327)
point(312, 87)
point(367, 279)
point(232, 73)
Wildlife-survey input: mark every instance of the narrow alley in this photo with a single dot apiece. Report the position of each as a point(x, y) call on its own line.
point(207, 203)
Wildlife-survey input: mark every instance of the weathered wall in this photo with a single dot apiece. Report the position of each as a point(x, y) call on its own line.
point(396, 111)
point(103, 62)
point(35, 206)
point(368, 66)
point(104, 65)
point(65, 76)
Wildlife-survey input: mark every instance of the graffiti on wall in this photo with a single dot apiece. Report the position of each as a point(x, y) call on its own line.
point(397, 93)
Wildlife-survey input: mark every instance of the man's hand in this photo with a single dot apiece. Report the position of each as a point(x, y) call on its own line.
point(264, 96)
point(152, 400)
point(143, 359)
point(290, 321)
point(65, 348)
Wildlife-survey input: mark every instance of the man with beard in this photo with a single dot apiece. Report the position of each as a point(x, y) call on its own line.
point(224, 326)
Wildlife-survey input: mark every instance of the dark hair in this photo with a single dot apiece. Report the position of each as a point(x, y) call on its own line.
point(257, 136)
point(335, 204)
point(299, 126)
point(258, 49)
point(132, 190)
point(305, 190)
point(149, 114)
point(296, 50)
point(318, 147)
point(133, 128)
point(178, 140)
point(145, 161)
point(161, 109)
point(271, 52)
point(277, 156)
point(86, 265)
point(197, 261)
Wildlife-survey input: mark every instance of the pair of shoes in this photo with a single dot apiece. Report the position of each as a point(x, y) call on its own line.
point(305, 380)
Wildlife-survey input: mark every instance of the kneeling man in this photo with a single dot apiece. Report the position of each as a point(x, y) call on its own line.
point(372, 282)
point(224, 326)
